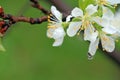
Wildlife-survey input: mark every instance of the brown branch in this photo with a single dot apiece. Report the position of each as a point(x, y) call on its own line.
point(64, 8)
point(115, 55)
point(36, 4)
point(4, 25)
point(8, 20)
point(15, 19)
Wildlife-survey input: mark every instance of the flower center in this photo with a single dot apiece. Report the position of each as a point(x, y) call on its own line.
point(52, 26)
point(85, 21)
point(102, 2)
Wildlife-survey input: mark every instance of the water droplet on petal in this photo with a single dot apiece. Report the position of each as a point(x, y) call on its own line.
point(90, 57)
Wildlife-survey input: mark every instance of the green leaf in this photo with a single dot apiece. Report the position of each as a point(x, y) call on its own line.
point(1, 46)
point(111, 8)
point(84, 3)
point(76, 19)
point(100, 11)
point(65, 24)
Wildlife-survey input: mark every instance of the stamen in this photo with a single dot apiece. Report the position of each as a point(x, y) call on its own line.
point(115, 5)
point(51, 17)
point(78, 33)
point(51, 26)
point(117, 40)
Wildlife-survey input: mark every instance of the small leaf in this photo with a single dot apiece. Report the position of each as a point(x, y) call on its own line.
point(111, 8)
point(84, 3)
point(65, 24)
point(1, 46)
point(76, 19)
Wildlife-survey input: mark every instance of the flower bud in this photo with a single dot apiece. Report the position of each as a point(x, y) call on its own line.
point(2, 23)
point(1, 10)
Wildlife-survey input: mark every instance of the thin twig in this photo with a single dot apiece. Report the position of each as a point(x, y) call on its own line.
point(9, 19)
point(36, 4)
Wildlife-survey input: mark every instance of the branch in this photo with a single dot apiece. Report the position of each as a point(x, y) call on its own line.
point(36, 4)
point(115, 55)
point(15, 19)
point(64, 8)
point(9, 19)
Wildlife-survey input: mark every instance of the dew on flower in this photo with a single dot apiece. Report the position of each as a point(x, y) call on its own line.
point(90, 57)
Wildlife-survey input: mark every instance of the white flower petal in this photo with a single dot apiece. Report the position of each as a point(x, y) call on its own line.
point(77, 12)
point(58, 41)
point(108, 43)
point(109, 30)
point(116, 22)
point(58, 33)
point(101, 21)
point(90, 34)
point(107, 13)
point(112, 2)
point(50, 32)
point(91, 9)
point(73, 28)
point(93, 47)
point(56, 13)
point(68, 18)
point(116, 35)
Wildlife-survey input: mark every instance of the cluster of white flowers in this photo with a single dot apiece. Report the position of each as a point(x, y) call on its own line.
point(104, 27)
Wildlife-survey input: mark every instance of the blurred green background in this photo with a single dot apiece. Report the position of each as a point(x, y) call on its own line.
point(30, 55)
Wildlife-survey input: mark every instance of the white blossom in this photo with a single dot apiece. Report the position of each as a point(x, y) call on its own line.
point(108, 2)
point(109, 21)
point(107, 41)
point(85, 23)
point(55, 28)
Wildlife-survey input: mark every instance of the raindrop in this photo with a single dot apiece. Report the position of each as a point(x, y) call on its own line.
point(90, 57)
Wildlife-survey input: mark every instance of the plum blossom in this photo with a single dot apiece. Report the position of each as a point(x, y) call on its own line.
point(108, 2)
point(84, 24)
point(55, 28)
point(107, 41)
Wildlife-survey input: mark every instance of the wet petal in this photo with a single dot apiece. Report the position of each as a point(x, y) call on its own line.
point(116, 22)
point(108, 43)
point(112, 2)
point(73, 28)
point(101, 21)
point(58, 32)
point(91, 9)
point(93, 47)
point(109, 30)
point(56, 13)
point(58, 41)
point(90, 34)
point(77, 12)
point(107, 13)
point(50, 32)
